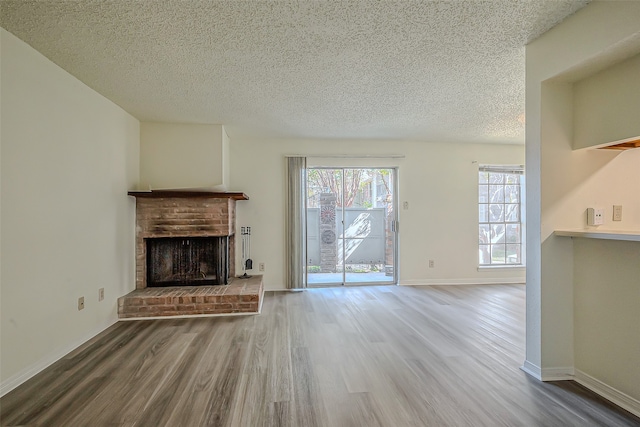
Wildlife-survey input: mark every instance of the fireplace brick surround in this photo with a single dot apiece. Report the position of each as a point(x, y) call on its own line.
point(187, 216)
point(182, 214)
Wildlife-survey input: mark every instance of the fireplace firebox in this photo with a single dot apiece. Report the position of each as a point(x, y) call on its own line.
point(187, 261)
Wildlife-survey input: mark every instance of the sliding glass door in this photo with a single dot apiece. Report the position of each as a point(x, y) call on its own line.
point(351, 226)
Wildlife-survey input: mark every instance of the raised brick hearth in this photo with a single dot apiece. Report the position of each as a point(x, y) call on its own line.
point(240, 296)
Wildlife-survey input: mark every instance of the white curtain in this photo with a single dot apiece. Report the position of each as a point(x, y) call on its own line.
point(295, 228)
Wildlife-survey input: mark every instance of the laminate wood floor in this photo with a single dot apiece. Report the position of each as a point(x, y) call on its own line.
point(361, 356)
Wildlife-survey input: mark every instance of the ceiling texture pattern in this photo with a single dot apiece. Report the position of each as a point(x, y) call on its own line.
point(423, 70)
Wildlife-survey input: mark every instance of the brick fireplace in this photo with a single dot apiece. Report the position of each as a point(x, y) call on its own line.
point(185, 242)
point(183, 215)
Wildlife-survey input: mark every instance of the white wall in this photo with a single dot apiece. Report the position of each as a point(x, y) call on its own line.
point(561, 185)
point(68, 158)
point(607, 105)
point(178, 155)
point(438, 180)
point(607, 337)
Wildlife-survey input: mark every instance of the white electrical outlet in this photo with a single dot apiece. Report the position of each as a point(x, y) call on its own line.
point(405, 205)
point(100, 294)
point(595, 216)
point(261, 266)
point(432, 263)
point(617, 212)
point(80, 303)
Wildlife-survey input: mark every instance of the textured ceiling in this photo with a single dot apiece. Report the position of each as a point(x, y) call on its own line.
point(427, 70)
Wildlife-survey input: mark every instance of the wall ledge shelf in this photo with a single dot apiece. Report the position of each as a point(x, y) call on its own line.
point(628, 235)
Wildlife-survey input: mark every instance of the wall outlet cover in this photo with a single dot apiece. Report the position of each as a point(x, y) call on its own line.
point(595, 216)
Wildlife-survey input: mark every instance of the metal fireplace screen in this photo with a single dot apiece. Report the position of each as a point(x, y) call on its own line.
point(182, 261)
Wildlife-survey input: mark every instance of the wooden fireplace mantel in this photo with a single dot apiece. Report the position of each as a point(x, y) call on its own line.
point(156, 194)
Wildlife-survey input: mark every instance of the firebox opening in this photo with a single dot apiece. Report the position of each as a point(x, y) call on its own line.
point(187, 261)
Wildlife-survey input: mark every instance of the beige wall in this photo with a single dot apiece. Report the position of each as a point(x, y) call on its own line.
point(68, 158)
point(177, 155)
point(561, 185)
point(607, 105)
point(226, 159)
point(438, 180)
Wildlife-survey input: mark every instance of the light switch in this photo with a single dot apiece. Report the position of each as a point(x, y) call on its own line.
point(617, 212)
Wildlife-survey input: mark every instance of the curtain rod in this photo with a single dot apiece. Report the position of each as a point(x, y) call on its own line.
point(349, 156)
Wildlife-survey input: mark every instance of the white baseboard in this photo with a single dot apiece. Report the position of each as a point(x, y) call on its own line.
point(474, 281)
point(548, 374)
point(569, 373)
point(30, 371)
point(619, 398)
point(558, 374)
point(533, 370)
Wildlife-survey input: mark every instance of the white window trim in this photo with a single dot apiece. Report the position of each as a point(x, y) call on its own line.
point(502, 266)
point(513, 169)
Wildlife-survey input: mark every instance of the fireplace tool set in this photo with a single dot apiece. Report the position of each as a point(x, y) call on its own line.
point(247, 262)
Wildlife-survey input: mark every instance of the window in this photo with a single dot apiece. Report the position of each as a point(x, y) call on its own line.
point(500, 215)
